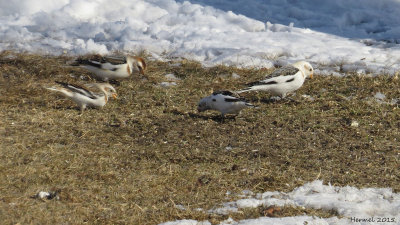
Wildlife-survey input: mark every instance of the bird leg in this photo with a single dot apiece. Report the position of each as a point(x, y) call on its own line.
point(82, 108)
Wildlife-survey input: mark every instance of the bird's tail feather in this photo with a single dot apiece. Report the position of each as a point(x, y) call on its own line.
point(52, 88)
point(61, 90)
point(251, 105)
point(243, 90)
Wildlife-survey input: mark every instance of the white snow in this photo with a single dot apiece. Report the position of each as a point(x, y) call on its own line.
point(379, 96)
point(367, 19)
point(358, 36)
point(186, 222)
point(299, 220)
point(235, 76)
point(171, 77)
point(166, 84)
point(353, 204)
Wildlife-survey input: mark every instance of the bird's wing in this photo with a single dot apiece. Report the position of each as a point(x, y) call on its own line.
point(224, 92)
point(283, 71)
point(115, 60)
point(109, 66)
point(101, 62)
point(262, 82)
point(78, 89)
point(233, 99)
point(229, 96)
point(94, 63)
point(239, 99)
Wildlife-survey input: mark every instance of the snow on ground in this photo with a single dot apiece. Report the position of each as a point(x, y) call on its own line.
point(353, 19)
point(337, 36)
point(356, 206)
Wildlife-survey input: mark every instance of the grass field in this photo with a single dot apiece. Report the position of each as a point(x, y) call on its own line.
point(136, 159)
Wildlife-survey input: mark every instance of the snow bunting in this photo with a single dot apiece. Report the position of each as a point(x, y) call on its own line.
point(83, 97)
point(283, 80)
point(113, 68)
point(224, 102)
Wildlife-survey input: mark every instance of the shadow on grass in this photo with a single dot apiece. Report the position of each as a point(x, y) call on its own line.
point(61, 107)
point(287, 100)
point(216, 118)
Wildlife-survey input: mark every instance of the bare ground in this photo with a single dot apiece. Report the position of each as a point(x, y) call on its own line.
point(136, 159)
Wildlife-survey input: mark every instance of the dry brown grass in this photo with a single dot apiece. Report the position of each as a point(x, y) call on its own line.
point(137, 158)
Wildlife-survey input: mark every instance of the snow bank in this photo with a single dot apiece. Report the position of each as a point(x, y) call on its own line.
point(298, 30)
point(357, 206)
point(353, 19)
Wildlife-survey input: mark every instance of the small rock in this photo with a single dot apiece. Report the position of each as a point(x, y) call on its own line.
point(235, 76)
point(181, 207)
point(246, 193)
point(229, 221)
point(10, 56)
point(275, 98)
point(167, 84)
point(308, 97)
point(171, 77)
point(394, 101)
point(46, 195)
point(379, 96)
point(176, 64)
point(354, 123)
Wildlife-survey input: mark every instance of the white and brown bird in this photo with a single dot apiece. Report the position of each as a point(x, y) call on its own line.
point(83, 97)
point(283, 80)
point(225, 102)
point(113, 68)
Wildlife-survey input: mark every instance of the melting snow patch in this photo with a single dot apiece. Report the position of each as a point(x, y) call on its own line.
point(167, 84)
point(229, 207)
point(246, 193)
point(394, 101)
point(171, 77)
point(181, 207)
point(339, 34)
point(235, 76)
point(308, 97)
point(186, 222)
point(380, 99)
point(357, 206)
point(379, 96)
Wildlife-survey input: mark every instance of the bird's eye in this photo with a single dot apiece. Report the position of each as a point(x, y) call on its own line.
point(310, 69)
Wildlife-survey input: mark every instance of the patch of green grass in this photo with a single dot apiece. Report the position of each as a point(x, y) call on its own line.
point(146, 152)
